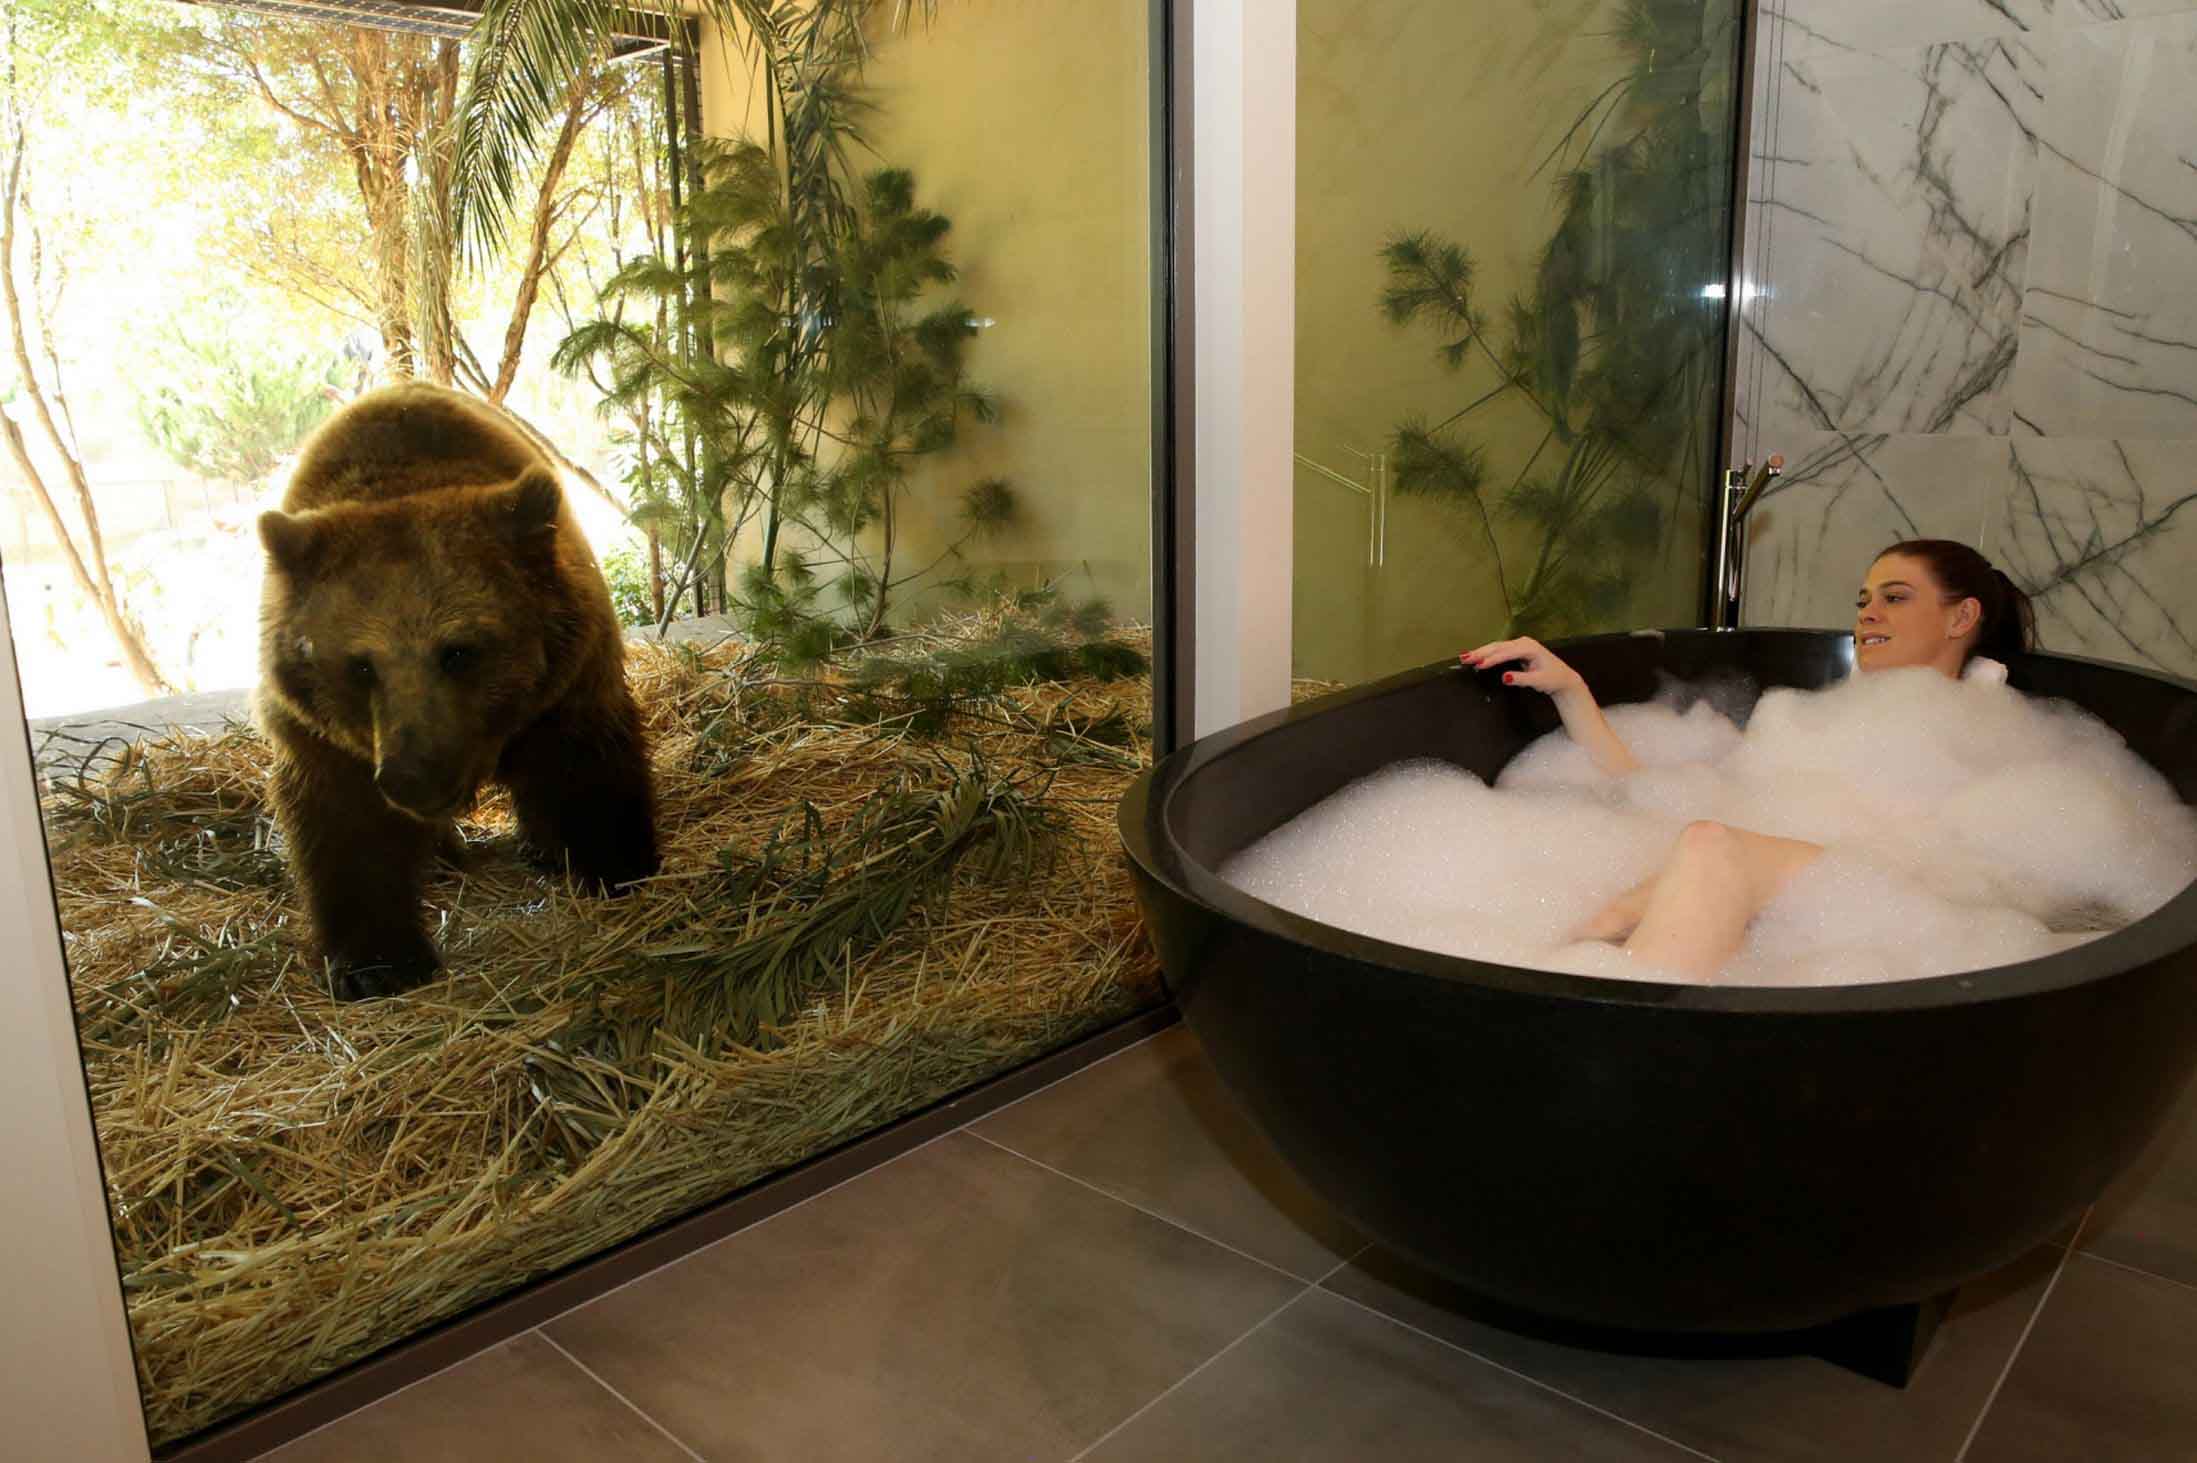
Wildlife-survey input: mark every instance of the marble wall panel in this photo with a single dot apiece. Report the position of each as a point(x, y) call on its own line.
point(1990, 335)
point(1820, 27)
point(1844, 497)
point(1900, 198)
point(2103, 535)
point(2109, 324)
point(2083, 12)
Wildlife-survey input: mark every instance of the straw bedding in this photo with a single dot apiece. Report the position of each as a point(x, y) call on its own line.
point(853, 921)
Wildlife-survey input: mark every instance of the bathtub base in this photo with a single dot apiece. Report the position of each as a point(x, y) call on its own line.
point(1884, 1345)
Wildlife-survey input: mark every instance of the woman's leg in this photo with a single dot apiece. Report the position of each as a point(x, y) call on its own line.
point(1617, 919)
point(1693, 914)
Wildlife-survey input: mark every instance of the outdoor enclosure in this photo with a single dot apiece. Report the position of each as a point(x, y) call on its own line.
point(833, 323)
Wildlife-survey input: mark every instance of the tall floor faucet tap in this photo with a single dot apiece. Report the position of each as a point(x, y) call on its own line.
point(1742, 486)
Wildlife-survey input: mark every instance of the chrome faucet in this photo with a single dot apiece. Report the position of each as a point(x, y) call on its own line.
point(1741, 486)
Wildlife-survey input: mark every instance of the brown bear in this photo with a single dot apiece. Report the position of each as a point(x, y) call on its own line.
point(433, 620)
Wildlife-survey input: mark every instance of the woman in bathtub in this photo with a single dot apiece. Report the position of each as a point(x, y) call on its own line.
point(1925, 602)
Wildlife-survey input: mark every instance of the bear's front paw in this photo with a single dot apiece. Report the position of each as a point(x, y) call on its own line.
point(612, 877)
point(361, 976)
point(606, 871)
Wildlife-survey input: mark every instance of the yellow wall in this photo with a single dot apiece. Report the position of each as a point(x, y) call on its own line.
point(1434, 115)
point(1025, 123)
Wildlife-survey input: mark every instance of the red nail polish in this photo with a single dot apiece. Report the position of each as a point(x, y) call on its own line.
point(1506, 678)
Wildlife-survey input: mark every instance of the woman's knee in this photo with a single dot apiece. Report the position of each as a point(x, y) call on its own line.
point(1708, 840)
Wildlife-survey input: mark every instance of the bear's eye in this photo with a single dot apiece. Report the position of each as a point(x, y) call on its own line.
point(458, 659)
point(360, 670)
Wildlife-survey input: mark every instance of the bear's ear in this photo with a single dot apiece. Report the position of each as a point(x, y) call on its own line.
point(530, 505)
point(293, 543)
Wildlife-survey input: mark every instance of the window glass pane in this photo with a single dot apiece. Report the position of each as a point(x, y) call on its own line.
point(1511, 246)
point(683, 741)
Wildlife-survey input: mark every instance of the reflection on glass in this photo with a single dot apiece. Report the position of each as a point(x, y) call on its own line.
point(1511, 234)
point(784, 491)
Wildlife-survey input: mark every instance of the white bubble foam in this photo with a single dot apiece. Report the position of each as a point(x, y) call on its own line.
point(1965, 826)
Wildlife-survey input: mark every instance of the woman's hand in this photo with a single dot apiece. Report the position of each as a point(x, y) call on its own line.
point(1538, 667)
point(1540, 670)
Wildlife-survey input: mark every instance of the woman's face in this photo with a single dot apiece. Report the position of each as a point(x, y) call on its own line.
point(1904, 618)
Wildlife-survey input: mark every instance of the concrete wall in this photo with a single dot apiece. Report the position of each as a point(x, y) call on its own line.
point(1025, 124)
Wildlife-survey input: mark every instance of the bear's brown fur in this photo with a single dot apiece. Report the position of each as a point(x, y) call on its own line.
point(433, 620)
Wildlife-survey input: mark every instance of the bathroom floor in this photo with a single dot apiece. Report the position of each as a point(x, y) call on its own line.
point(1117, 1268)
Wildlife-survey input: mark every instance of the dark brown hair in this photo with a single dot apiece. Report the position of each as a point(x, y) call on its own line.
point(2009, 624)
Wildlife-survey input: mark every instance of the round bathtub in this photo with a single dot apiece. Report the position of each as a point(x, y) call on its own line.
point(1646, 1156)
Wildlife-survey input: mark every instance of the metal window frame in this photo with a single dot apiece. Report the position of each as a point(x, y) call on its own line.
point(1747, 15)
point(1174, 382)
point(90, 1390)
point(642, 32)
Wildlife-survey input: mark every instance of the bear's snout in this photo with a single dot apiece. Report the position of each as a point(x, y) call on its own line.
point(421, 786)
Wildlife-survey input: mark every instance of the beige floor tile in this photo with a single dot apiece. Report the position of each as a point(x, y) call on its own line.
point(521, 1402)
point(1153, 1126)
point(959, 1303)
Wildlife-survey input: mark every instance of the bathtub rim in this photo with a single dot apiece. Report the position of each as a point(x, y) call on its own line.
point(1146, 806)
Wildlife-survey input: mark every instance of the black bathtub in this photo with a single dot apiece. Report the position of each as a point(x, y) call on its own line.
point(1648, 1157)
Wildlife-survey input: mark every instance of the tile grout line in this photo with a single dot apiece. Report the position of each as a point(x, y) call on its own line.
point(1975, 1428)
point(1529, 1380)
point(803, 1203)
point(2138, 1270)
point(1319, 1285)
point(361, 1411)
point(750, 1228)
point(1172, 1223)
point(1185, 1379)
point(1344, 1264)
point(542, 1329)
point(1069, 1076)
point(590, 1373)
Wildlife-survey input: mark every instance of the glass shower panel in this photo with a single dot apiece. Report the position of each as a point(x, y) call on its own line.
point(1512, 244)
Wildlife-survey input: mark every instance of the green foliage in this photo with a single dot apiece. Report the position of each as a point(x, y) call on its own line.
point(922, 693)
point(791, 364)
point(625, 570)
point(801, 55)
point(918, 685)
point(230, 409)
point(1615, 347)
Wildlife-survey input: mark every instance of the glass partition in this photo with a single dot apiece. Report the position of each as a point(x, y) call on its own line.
point(677, 737)
point(1512, 243)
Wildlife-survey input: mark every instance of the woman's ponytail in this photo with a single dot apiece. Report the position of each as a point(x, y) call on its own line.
point(2013, 630)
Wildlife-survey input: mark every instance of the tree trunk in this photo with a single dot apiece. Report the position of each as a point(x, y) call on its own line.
point(432, 99)
point(885, 569)
point(388, 232)
point(125, 634)
point(19, 342)
point(378, 147)
point(656, 573)
point(99, 591)
point(537, 247)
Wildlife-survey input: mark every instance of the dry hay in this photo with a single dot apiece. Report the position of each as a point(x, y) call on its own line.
point(297, 1182)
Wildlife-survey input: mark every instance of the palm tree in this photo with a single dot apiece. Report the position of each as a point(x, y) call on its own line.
point(527, 53)
point(785, 208)
point(804, 56)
